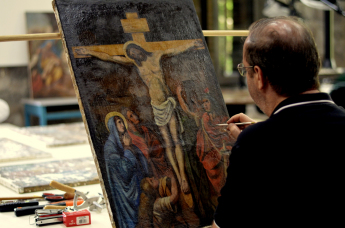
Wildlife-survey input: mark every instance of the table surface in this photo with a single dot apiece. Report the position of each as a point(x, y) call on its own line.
point(9, 220)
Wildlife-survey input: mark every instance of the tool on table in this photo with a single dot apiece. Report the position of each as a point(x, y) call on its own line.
point(57, 197)
point(5, 207)
point(47, 212)
point(49, 220)
point(21, 198)
point(90, 203)
point(29, 210)
point(67, 216)
point(48, 217)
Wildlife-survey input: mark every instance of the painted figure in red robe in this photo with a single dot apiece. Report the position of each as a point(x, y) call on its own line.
point(212, 141)
point(148, 143)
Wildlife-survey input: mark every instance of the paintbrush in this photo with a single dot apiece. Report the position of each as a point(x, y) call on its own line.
point(50, 196)
point(21, 198)
point(242, 123)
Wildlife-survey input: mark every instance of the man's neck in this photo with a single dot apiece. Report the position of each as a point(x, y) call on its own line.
point(274, 100)
point(311, 91)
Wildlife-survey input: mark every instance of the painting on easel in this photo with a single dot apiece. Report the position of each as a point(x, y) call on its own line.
point(151, 101)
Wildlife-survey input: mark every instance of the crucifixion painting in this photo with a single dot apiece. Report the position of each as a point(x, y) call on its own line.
point(152, 103)
point(147, 60)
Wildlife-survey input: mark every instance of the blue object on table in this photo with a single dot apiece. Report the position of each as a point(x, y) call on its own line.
point(38, 107)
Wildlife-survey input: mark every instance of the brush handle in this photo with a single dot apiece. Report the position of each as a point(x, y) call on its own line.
point(21, 197)
point(241, 123)
point(245, 123)
point(62, 187)
point(54, 207)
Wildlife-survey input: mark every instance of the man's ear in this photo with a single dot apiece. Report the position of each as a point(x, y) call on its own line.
point(259, 78)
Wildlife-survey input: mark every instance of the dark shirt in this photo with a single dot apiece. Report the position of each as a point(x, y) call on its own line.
point(287, 170)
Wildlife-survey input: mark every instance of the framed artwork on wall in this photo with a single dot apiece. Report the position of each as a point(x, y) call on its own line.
point(48, 68)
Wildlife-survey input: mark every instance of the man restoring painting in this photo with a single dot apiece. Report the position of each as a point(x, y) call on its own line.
point(163, 104)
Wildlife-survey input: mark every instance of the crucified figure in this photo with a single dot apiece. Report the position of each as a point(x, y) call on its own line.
point(163, 104)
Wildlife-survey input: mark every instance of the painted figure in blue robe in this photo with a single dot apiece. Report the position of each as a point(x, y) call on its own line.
point(126, 166)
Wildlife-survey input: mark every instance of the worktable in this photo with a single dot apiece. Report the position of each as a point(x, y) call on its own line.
point(9, 220)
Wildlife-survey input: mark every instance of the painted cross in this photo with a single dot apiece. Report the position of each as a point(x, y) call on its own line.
point(136, 26)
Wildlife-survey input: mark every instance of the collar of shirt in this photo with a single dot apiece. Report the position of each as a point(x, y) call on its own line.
point(302, 99)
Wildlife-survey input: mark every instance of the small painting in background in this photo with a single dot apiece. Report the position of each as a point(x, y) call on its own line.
point(14, 151)
point(56, 134)
point(48, 69)
point(34, 177)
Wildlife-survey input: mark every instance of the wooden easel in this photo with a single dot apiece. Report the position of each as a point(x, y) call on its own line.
point(57, 36)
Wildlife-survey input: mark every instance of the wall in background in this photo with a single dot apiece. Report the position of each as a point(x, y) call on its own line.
point(13, 88)
point(14, 84)
point(12, 18)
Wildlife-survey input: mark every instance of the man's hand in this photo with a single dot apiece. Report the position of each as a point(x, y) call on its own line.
point(234, 130)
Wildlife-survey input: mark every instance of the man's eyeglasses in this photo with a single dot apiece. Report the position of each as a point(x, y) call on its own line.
point(242, 69)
